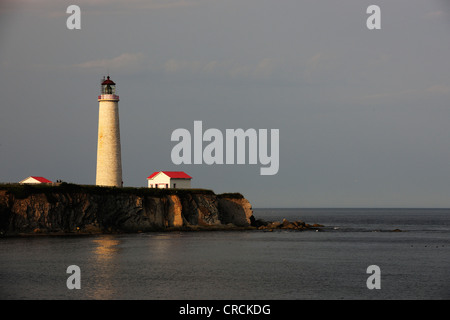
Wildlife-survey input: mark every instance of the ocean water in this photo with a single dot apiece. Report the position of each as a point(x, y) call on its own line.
point(228, 265)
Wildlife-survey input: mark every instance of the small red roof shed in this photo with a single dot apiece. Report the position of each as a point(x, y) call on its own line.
point(171, 174)
point(34, 179)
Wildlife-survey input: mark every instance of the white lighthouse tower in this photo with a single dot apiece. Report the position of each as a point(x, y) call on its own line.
point(109, 163)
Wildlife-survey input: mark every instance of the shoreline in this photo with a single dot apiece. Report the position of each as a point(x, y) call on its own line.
point(72, 210)
point(260, 225)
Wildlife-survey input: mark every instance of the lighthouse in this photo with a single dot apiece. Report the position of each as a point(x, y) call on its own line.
point(109, 163)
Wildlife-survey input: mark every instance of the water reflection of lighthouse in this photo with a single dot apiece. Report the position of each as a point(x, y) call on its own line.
point(109, 163)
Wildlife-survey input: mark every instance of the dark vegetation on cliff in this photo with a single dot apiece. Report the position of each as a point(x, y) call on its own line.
point(22, 191)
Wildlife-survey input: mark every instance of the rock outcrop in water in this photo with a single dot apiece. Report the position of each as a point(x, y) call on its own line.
point(286, 225)
point(71, 208)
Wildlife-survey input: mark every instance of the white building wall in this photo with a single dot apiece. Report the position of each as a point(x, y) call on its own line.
point(30, 181)
point(180, 183)
point(162, 180)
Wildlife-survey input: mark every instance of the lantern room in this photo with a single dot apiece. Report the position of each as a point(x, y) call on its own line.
point(108, 86)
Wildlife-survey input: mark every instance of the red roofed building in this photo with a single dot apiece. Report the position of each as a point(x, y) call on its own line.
point(169, 179)
point(34, 180)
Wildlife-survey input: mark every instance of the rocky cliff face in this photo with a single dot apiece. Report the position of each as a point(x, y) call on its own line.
point(90, 210)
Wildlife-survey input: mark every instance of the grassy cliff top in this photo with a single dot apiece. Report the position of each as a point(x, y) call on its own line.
point(22, 191)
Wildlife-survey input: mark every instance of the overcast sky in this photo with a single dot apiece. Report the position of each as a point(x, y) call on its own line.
point(363, 115)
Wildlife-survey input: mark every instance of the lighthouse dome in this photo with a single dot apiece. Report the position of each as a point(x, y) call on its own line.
point(107, 81)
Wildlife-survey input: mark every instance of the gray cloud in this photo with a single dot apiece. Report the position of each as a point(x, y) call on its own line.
point(363, 115)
